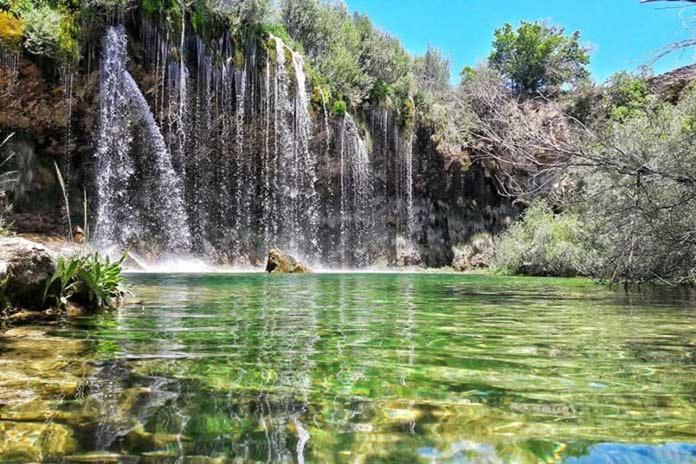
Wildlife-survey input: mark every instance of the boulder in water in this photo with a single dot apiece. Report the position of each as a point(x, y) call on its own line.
point(280, 262)
point(25, 267)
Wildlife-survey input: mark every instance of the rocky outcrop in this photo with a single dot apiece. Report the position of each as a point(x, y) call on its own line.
point(473, 254)
point(671, 85)
point(280, 262)
point(25, 267)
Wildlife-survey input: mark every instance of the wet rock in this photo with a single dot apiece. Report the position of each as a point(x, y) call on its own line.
point(473, 254)
point(25, 267)
point(78, 234)
point(280, 262)
point(406, 254)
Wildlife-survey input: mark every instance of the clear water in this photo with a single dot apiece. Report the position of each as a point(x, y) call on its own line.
point(357, 368)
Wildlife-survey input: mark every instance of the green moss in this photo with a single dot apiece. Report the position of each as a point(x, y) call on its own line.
point(340, 108)
point(11, 31)
point(408, 114)
point(321, 95)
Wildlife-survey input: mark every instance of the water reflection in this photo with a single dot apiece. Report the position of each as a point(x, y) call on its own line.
point(357, 368)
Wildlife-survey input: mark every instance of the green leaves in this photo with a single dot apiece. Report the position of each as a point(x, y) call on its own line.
point(538, 57)
point(547, 244)
point(88, 279)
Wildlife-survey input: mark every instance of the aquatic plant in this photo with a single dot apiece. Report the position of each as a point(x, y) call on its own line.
point(91, 280)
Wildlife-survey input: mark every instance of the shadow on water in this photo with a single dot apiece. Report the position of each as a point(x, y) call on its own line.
point(357, 368)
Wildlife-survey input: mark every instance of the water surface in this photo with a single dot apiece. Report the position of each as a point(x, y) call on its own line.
point(357, 368)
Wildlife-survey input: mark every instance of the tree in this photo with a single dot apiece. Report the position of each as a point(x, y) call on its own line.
point(538, 58)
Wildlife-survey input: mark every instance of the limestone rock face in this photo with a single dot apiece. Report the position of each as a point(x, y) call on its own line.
point(25, 267)
point(280, 262)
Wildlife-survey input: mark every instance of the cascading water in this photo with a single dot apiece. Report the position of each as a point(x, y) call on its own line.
point(138, 193)
point(294, 195)
point(246, 169)
point(356, 232)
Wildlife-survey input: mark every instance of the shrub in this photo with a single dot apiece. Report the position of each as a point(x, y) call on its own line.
point(42, 35)
point(546, 244)
point(381, 93)
point(90, 280)
point(629, 96)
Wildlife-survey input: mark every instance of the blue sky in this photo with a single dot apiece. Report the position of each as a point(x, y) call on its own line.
point(623, 34)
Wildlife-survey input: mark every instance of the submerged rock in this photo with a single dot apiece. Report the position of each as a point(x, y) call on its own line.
point(280, 262)
point(25, 267)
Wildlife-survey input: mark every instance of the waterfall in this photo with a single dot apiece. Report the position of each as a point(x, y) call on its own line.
point(356, 226)
point(294, 197)
point(9, 65)
point(405, 188)
point(138, 193)
point(241, 158)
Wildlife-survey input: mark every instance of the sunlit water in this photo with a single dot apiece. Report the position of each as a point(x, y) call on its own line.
point(358, 369)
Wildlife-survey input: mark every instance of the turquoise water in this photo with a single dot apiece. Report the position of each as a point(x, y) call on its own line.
point(358, 368)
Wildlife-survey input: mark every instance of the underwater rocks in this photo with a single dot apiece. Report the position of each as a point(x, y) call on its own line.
point(25, 267)
point(280, 262)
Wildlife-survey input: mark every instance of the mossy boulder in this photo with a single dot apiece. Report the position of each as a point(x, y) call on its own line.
point(280, 262)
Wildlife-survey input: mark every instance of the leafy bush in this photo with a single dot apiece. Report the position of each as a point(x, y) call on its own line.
point(90, 280)
point(628, 96)
point(546, 244)
point(44, 31)
point(640, 193)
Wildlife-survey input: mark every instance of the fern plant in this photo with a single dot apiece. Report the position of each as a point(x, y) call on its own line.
point(91, 280)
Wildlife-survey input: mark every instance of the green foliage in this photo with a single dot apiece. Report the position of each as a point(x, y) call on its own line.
point(50, 31)
point(91, 280)
point(467, 73)
point(408, 114)
point(546, 244)
point(273, 29)
point(538, 57)
point(347, 51)
point(381, 93)
point(432, 72)
point(43, 31)
point(340, 108)
point(640, 193)
point(628, 96)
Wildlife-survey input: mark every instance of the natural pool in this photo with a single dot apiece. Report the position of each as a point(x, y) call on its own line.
point(355, 368)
